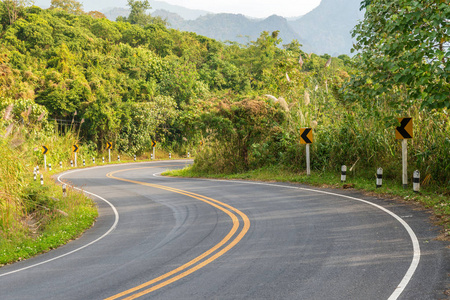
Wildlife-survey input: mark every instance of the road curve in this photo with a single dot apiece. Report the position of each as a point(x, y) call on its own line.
point(175, 238)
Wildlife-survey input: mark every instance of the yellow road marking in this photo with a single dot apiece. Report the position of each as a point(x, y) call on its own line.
point(229, 210)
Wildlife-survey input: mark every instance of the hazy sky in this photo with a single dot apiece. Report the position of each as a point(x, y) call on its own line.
point(251, 8)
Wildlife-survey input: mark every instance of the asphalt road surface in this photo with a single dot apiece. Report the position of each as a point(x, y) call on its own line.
point(176, 238)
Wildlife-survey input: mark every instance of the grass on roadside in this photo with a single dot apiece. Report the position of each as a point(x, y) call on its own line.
point(51, 221)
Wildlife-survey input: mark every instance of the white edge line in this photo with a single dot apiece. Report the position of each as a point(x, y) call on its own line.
point(82, 247)
point(415, 242)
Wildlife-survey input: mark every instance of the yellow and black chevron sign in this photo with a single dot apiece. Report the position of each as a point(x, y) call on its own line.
point(306, 136)
point(405, 130)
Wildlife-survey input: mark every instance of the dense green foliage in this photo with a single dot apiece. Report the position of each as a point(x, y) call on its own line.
point(134, 81)
point(404, 52)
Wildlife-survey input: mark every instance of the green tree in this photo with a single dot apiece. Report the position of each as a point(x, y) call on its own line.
point(403, 49)
point(14, 8)
point(237, 132)
point(138, 15)
point(70, 6)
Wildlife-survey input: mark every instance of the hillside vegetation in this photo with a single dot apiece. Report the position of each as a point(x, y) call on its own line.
point(68, 77)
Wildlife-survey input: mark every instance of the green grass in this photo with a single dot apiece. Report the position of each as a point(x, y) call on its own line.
point(51, 221)
point(438, 202)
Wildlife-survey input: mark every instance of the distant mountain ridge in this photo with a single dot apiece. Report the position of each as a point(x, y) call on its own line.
point(326, 29)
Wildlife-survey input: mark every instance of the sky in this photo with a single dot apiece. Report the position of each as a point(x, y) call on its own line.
point(250, 8)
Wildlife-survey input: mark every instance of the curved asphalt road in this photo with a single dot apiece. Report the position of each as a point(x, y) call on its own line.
point(174, 238)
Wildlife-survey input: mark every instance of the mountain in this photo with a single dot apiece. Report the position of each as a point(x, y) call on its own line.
point(121, 10)
point(326, 29)
point(235, 27)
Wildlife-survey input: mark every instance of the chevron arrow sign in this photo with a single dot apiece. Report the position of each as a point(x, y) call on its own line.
point(405, 130)
point(306, 136)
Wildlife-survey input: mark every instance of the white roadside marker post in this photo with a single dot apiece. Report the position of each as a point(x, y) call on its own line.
point(60, 164)
point(71, 163)
point(343, 173)
point(379, 177)
point(416, 181)
point(135, 157)
point(118, 157)
point(64, 189)
point(42, 179)
point(103, 159)
point(93, 160)
point(49, 167)
point(170, 155)
point(84, 162)
point(34, 174)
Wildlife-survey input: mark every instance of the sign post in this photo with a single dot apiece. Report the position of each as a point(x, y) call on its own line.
point(75, 150)
point(154, 146)
point(306, 137)
point(404, 132)
point(109, 147)
point(44, 151)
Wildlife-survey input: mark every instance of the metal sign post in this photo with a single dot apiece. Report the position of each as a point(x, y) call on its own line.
point(75, 150)
point(308, 162)
point(44, 151)
point(154, 147)
point(404, 132)
point(306, 137)
point(109, 146)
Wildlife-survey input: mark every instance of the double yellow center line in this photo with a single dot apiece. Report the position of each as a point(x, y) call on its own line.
point(229, 241)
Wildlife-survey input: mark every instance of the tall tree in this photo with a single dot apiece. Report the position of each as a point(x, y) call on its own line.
point(70, 6)
point(138, 13)
point(14, 8)
point(403, 46)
